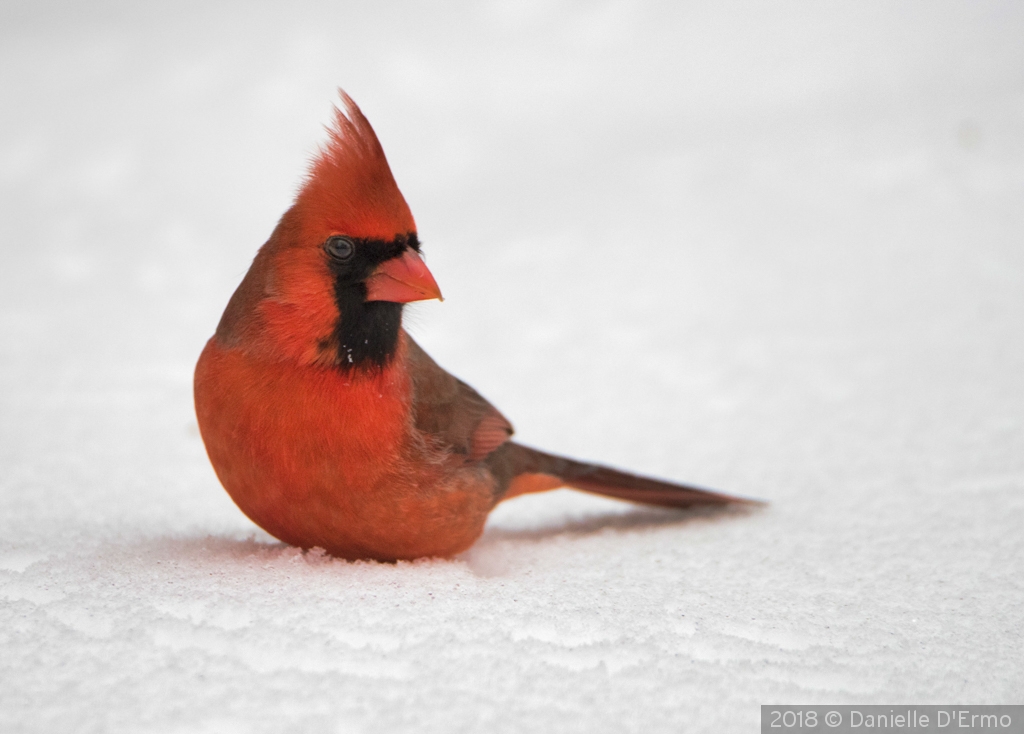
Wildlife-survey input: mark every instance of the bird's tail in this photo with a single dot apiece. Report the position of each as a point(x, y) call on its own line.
point(521, 470)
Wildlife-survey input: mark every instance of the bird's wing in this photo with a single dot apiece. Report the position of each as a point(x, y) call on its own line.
point(447, 408)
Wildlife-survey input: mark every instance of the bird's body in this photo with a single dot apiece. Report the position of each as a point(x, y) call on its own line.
point(326, 423)
point(334, 459)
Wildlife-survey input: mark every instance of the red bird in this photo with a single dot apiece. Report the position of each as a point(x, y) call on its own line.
point(326, 423)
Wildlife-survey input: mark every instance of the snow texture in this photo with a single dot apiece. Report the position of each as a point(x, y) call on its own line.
point(776, 249)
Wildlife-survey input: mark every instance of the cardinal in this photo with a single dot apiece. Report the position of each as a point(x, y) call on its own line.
point(327, 424)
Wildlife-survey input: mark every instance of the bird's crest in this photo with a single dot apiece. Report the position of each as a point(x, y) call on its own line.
point(349, 188)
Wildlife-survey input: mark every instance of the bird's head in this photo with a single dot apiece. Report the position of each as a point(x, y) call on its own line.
point(329, 285)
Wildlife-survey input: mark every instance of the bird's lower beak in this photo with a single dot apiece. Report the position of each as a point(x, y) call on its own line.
point(401, 280)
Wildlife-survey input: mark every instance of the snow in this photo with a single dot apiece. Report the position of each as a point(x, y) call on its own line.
point(772, 249)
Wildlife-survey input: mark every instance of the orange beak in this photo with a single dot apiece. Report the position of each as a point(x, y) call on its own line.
point(401, 280)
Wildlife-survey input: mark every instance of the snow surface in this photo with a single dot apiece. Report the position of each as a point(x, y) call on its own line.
point(776, 249)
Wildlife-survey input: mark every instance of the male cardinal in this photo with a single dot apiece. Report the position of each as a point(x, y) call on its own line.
point(326, 423)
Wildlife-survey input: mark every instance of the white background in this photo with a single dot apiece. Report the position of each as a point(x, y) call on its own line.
point(775, 249)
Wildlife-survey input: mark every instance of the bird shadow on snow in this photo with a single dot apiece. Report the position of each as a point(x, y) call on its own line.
point(494, 554)
point(256, 549)
point(633, 519)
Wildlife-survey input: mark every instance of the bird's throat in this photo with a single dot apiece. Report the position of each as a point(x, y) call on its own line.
point(366, 332)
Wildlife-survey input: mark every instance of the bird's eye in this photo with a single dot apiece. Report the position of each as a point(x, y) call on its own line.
point(340, 248)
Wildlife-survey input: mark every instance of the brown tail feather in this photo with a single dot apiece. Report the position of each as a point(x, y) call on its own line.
point(528, 470)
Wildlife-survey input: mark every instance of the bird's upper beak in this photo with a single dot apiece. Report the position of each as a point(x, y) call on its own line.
point(401, 280)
